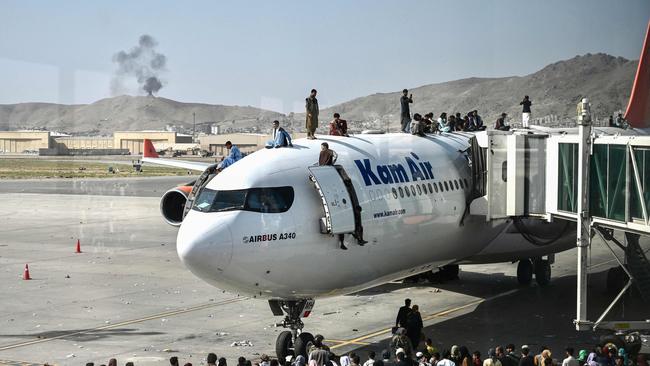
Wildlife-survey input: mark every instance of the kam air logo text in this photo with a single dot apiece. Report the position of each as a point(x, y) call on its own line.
point(395, 173)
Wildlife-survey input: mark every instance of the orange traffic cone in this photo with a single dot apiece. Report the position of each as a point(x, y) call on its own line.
point(26, 273)
point(78, 247)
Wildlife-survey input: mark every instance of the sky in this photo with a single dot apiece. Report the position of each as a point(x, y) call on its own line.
point(269, 54)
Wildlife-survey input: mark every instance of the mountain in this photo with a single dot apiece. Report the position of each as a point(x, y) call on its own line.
point(555, 90)
point(125, 113)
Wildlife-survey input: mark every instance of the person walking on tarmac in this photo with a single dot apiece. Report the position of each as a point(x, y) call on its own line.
point(311, 109)
point(402, 314)
point(414, 326)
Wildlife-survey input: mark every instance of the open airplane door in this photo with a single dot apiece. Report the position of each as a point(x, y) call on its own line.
point(339, 208)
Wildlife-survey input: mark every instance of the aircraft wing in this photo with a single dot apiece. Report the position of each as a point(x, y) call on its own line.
point(149, 155)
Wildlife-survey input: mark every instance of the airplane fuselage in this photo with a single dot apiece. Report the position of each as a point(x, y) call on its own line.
point(413, 194)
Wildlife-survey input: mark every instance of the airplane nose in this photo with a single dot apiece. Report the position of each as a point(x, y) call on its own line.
point(204, 244)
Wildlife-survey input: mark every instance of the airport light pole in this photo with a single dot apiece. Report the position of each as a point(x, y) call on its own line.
point(583, 239)
point(193, 126)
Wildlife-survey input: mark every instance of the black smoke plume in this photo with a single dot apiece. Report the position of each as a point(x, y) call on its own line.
point(143, 63)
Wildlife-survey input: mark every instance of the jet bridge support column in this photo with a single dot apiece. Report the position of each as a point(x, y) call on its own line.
point(583, 220)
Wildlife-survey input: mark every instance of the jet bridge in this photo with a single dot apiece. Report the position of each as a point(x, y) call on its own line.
point(598, 178)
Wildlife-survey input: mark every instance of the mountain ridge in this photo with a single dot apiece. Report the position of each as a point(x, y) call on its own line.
point(554, 89)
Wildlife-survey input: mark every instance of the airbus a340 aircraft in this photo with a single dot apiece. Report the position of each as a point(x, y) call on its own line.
point(268, 226)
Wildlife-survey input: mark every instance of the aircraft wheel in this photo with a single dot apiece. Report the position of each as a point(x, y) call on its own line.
point(283, 345)
point(303, 342)
point(542, 273)
point(525, 272)
point(610, 340)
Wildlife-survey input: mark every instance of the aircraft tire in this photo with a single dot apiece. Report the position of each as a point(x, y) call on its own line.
point(303, 341)
point(283, 345)
point(542, 273)
point(612, 339)
point(525, 272)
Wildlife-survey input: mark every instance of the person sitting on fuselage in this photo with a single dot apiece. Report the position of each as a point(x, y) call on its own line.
point(338, 126)
point(417, 127)
point(443, 126)
point(234, 156)
point(281, 138)
point(501, 123)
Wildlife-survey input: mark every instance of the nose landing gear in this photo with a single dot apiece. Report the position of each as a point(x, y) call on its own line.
point(293, 341)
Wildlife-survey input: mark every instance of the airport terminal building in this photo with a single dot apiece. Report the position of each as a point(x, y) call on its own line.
point(124, 142)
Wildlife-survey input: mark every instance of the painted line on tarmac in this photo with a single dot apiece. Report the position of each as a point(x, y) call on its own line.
point(18, 363)
point(359, 340)
point(348, 341)
point(126, 322)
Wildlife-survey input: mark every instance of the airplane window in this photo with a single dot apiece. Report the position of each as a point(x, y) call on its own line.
point(401, 192)
point(372, 195)
point(456, 183)
point(440, 186)
point(419, 190)
point(268, 200)
point(408, 193)
point(413, 190)
point(434, 186)
point(446, 187)
point(424, 188)
point(460, 182)
point(394, 192)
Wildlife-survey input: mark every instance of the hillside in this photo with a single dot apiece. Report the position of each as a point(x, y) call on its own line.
point(126, 113)
point(554, 90)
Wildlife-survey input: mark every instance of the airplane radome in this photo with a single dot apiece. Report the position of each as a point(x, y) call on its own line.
point(270, 225)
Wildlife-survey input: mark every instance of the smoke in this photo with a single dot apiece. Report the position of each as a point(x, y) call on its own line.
point(143, 63)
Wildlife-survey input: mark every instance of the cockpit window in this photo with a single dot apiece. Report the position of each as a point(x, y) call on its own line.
point(266, 200)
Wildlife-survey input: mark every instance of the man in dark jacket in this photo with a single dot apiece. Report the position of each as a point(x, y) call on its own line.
point(414, 326)
point(525, 113)
point(526, 359)
point(402, 314)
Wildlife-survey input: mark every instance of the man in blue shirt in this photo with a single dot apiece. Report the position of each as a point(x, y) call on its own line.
point(232, 157)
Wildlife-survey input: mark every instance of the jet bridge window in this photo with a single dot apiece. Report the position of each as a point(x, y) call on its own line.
point(266, 200)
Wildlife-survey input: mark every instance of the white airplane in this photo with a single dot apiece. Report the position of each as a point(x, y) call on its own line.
point(270, 226)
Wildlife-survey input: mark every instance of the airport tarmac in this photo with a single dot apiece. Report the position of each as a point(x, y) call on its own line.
point(128, 296)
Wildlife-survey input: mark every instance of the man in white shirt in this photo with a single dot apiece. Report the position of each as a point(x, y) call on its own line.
point(371, 359)
point(570, 360)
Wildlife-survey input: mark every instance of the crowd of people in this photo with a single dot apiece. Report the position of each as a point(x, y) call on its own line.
point(409, 347)
point(403, 353)
point(471, 121)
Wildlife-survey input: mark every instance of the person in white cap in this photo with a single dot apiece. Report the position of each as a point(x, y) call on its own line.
point(421, 359)
point(402, 359)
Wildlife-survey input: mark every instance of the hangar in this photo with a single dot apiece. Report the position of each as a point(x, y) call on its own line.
point(16, 142)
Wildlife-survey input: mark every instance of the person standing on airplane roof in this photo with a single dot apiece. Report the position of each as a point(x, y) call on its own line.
point(311, 109)
point(405, 115)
